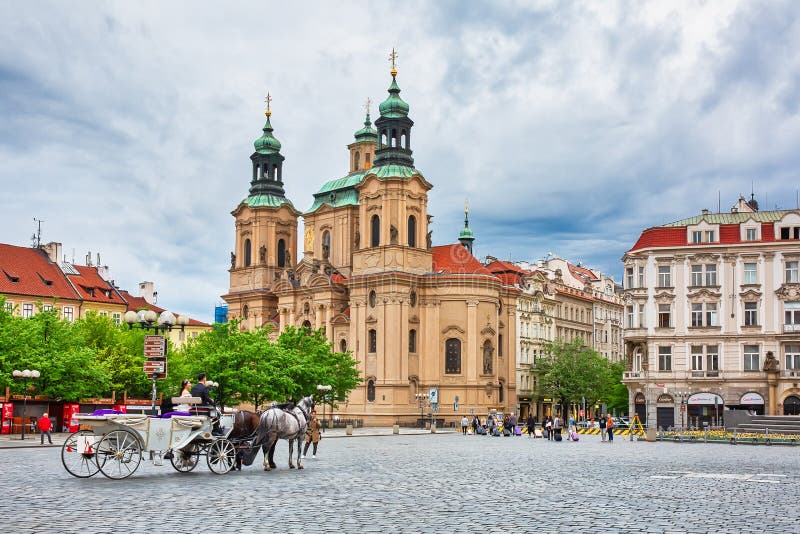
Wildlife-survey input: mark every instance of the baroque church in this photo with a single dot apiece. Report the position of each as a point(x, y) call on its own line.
point(418, 318)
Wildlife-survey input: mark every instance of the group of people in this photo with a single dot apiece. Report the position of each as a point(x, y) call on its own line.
point(550, 427)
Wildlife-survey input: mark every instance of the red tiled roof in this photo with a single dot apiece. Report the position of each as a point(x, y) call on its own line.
point(28, 271)
point(675, 236)
point(581, 273)
point(509, 279)
point(91, 286)
point(139, 303)
point(500, 266)
point(337, 278)
point(455, 259)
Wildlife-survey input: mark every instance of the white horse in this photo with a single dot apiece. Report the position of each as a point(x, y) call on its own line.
point(277, 423)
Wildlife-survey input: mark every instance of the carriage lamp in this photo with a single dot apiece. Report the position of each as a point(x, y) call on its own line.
point(25, 376)
point(326, 388)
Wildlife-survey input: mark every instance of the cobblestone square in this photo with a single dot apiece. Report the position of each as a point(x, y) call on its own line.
point(424, 483)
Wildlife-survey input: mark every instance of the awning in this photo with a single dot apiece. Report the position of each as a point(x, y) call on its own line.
point(751, 398)
point(705, 398)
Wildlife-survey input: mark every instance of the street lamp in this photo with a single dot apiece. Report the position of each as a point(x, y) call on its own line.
point(25, 376)
point(422, 398)
point(325, 389)
point(683, 395)
point(150, 320)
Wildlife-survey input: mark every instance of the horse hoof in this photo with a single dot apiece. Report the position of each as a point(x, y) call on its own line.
point(273, 466)
point(291, 466)
point(267, 468)
point(299, 466)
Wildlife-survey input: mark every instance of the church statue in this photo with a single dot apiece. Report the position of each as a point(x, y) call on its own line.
point(358, 239)
point(771, 362)
point(488, 356)
point(429, 240)
point(392, 235)
point(309, 239)
point(262, 254)
point(233, 260)
point(325, 250)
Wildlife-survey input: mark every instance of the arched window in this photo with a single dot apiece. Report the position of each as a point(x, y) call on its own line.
point(280, 175)
point(375, 230)
point(307, 327)
point(384, 140)
point(452, 356)
point(281, 253)
point(343, 345)
point(373, 299)
point(371, 391)
point(373, 340)
point(326, 244)
point(500, 397)
point(357, 161)
point(248, 254)
point(245, 312)
point(412, 231)
point(403, 139)
point(412, 341)
point(366, 160)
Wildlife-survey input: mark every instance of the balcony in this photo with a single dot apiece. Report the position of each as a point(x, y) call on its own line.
point(791, 328)
point(632, 375)
point(704, 375)
point(791, 373)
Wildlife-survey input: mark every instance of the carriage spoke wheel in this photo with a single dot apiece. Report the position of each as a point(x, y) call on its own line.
point(221, 456)
point(77, 454)
point(118, 454)
point(186, 459)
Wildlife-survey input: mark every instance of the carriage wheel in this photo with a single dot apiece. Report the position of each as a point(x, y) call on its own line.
point(77, 454)
point(186, 459)
point(119, 454)
point(221, 456)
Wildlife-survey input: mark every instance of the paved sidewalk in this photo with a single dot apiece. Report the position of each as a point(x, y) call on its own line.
point(13, 441)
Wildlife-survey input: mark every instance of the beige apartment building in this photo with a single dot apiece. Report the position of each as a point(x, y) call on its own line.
point(712, 316)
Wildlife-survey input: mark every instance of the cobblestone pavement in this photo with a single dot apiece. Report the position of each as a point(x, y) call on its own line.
point(424, 483)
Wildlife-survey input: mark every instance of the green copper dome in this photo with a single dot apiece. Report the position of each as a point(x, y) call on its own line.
point(394, 106)
point(367, 133)
point(466, 233)
point(267, 144)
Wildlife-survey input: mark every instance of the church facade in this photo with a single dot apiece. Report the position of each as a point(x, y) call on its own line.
point(419, 319)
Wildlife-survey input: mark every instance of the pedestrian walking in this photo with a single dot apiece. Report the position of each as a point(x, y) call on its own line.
point(531, 424)
point(512, 422)
point(45, 426)
point(548, 428)
point(312, 434)
point(475, 424)
point(464, 424)
point(557, 427)
point(610, 428)
point(602, 423)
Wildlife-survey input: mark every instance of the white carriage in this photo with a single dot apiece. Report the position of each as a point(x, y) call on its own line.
point(114, 443)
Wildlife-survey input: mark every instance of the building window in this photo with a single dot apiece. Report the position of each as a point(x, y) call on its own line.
point(751, 234)
point(371, 391)
point(412, 231)
point(245, 312)
point(412, 341)
point(69, 313)
point(751, 313)
point(711, 275)
point(711, 314)
point(281, 253)
point(788, 231)
point(412, 299)
point(629, 316)
point(697, 357)
point(452, 356)
point(664, 316)
point(697, 236)
point(664, 276)
point(373, 340)
point(641, 315)
point(791, 272)
point(712, 358)
point(750, 273)
point(697, 315)
point(248, 254)
point(791, 317)
point(751, 358)
point(629, 278)
point(710, 236)
point(499, 345)
point(117, 318)
point(326, 245)
point(27, 310)
point(697, 275)
point(665, 358)
point(375, 229)
point(641, 277)
point(181, 335)
point(357, 160)
point(372, 299)
point(343, 345)
point(792, 356)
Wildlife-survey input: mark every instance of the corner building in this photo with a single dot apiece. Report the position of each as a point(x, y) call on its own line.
point(415, 316)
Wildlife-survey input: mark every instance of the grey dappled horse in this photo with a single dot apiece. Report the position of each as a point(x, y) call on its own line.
point(278, 424)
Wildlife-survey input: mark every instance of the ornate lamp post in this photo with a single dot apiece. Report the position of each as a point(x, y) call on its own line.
point(150, 320)
point(683, 395)
point(422, 398)
point(25, 376)
point(326, 389)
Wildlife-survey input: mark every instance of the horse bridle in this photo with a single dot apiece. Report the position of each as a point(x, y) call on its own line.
point(302, 411)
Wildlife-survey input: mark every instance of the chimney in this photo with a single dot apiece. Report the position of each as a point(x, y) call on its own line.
point(53, 251)
point(540, 263)
point(103, 272)
point(146, 291)
point(706, 212)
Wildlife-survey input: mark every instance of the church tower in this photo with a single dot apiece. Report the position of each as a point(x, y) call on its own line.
point(362, 150)
point(466, 237)
point(266, 235)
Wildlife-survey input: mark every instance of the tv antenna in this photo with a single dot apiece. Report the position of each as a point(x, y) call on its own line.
point(36, 239)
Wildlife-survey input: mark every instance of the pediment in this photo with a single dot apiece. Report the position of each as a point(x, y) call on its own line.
point(413, 319)
point(371, 319)
point(704, 293)
point(703, 257)
point(488, 331)
point(453, 329)
point(664, 296)
point(750, 294)
point(788, 292)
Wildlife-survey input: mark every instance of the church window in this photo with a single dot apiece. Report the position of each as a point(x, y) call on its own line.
point(373, 340)
point(384, 140)
point(394, 138)
point(499, 345)
point(366, 160)
point(245, 312)
point(326, 244)
point(281, 253)
point(403, 139)
point(412, 299)
point(248, 253)
point(412, 231)
point(452, 356)
point(372, 299)
point(279, 176)
point(343, 345)
point(412, 341)
point(357, 164)
point(307, 327)
point(375, 229)
point(371, 391)
point(500, 399)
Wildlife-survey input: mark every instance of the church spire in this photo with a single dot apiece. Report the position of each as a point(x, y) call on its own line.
point(466, 237)
point(394, 126)
point(267, 161)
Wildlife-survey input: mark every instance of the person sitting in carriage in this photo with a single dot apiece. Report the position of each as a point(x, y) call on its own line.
point(200, 389)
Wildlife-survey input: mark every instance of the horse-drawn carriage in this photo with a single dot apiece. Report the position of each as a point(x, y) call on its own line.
point(113, 443)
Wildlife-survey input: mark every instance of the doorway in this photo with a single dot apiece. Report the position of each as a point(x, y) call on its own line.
point(791, 405)
point(665, 417)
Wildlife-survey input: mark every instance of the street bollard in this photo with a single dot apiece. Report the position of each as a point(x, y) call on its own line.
point(348, 430)
point(395, 429)
point(433, 428)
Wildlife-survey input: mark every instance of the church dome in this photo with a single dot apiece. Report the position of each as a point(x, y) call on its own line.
point(367, 133)
point(267, 144)
point(394, 106)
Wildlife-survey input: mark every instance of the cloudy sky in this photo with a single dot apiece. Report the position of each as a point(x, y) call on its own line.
point(571, 126)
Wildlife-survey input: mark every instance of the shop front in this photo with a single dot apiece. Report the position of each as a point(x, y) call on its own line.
point(640, 407)
point(791, 405)
point(752, 402)
point(665, 411)
point(704, 409)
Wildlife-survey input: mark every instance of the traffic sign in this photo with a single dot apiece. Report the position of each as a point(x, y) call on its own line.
point(154, 346)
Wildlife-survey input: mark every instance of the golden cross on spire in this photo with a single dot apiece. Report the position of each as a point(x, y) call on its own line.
point(366, 105)
point(393, 59)
point(466, 207)
point(268, 100)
